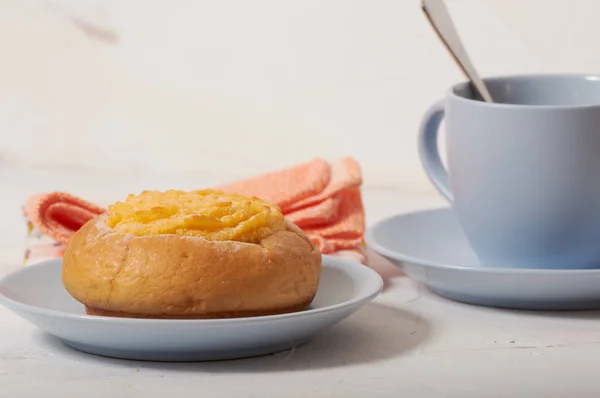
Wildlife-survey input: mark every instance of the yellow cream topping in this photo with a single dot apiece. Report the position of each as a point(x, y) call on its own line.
point(210, 214)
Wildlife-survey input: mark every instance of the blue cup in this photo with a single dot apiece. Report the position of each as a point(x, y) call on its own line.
point(523, 172)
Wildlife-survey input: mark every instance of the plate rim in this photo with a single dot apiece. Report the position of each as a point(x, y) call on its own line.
point(332, 261)
point(395, 255)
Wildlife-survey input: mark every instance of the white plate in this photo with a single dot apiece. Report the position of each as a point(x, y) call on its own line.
point(36, 293)
point(431, 247)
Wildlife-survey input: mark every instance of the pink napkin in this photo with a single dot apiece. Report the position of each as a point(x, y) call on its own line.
point(321, 198)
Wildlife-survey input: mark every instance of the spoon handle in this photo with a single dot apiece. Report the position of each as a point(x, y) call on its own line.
point(440, 20)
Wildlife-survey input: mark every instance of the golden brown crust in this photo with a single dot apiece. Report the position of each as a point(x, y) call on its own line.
point(172, 276)
point(236, 314)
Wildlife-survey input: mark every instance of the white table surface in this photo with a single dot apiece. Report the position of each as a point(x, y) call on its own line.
point(407, 343)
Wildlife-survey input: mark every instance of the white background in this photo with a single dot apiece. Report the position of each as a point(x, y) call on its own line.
point(247, 86)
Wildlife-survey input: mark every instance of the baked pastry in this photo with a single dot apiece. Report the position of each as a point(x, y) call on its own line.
point(199, 254)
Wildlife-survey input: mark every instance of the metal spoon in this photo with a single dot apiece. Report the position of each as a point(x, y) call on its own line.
point(437, 14)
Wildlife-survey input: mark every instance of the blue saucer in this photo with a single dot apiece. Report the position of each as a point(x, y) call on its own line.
point(431, 247)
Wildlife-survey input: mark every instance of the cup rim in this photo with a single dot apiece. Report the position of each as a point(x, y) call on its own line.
point(450, 93)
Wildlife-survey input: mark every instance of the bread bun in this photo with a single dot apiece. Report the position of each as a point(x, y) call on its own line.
point(195, 271)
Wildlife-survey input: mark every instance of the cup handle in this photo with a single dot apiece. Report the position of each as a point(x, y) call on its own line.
point(428, 149)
